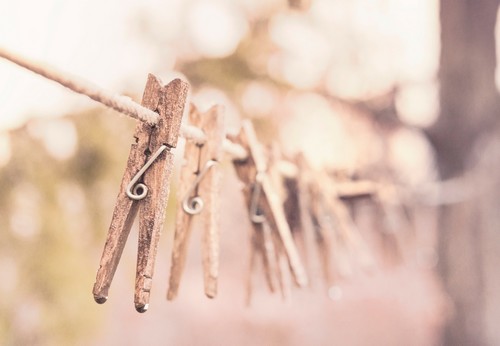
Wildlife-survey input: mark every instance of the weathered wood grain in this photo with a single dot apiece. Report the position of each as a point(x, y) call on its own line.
point(169, 102)
point(212, 124)
point(157, 177)
point(196, 156)
point(125, 208)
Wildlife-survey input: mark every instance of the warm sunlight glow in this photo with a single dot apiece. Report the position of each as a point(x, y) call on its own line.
point(259, 99)
point(313, 127)
point(25, 220)
point(411, 157)
point(5, 152)
point(418, 105)
point(208, 97)
point(215, 28)
point(306, 50)
point(59, 137)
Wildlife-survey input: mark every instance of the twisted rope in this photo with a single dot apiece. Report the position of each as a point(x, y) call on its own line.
point(120, 103)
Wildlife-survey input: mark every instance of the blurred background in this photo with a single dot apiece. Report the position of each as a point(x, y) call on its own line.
point(400, 92)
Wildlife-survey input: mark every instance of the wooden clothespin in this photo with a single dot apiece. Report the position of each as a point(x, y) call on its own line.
point(313, 218)
point(396, 226)
point(287, 173)
point(347, 229)
point(263, 202)
point(145, 186)
point(198, 189)
point(284, 176)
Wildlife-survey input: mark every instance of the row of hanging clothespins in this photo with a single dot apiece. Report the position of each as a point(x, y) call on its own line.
point(282, 208)
point(276, 220)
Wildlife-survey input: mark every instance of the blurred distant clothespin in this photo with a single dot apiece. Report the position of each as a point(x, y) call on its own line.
point(198, 194)
point(144, 187)
point(313, 218)
point(302, 5)
point(345, 226)
point(262, 243)
point(284, 177)
point(262, 200)
point(396, 225)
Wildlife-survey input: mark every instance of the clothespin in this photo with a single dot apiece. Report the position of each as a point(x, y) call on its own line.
point(284, 176)
point(266, 243)
point(313, 218)
point(263, 202)
point(344, 223)
point(144, 187)
point(200, 180)
point(396, 224)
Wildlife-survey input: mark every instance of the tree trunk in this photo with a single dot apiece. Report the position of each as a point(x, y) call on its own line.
point(469, 106)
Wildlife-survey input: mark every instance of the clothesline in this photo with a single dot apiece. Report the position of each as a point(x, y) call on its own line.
point(127, 106)
point(120, 103)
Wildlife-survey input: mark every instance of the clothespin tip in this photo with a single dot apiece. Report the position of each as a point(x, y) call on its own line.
point(100, 299)
point(142, 308)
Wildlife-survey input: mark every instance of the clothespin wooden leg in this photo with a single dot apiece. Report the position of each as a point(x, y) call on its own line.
point(252, 259)
point(153, 207)
point(262, 244)
point(350, 233)
point(323, 238)
point(150, 227)
point(199, 179)
point(213, 125)
point(268, 251)
point(183, 219)
point(281, 267)
point(396, 224)
point(294, 214)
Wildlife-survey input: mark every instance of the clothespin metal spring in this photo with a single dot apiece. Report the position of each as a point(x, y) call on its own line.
point(194, 205)
point(138, 191)
point(255, 215)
